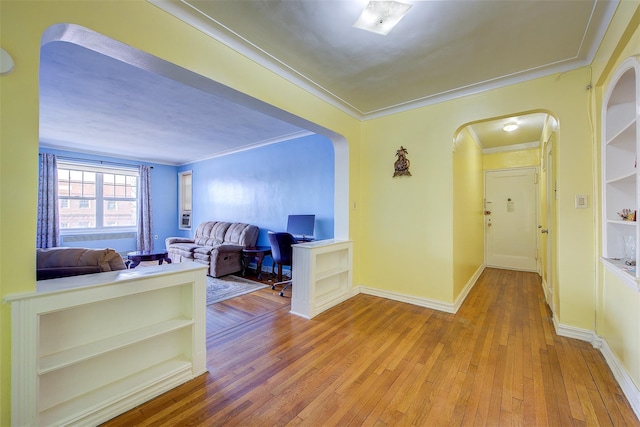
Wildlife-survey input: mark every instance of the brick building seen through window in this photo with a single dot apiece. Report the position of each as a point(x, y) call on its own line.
point(96, 197)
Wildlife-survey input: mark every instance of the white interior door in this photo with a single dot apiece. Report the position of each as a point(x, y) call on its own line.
point(510, 220)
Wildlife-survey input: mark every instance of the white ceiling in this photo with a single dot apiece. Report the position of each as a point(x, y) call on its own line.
point(441, 49)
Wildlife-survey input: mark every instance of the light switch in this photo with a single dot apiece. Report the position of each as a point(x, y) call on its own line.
point(581, 201)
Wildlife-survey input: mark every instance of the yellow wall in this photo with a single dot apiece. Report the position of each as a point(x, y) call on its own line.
point(511, 159)
point(402, 228)
point(618, 307)
point(468, 211)
point(143, 26)
point(618, 323)
point(407, 224)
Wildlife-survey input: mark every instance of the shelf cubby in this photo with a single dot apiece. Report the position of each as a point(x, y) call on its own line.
point(620, 149)
point(97, 345)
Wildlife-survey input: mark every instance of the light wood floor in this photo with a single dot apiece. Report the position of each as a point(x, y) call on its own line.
point(376, 362)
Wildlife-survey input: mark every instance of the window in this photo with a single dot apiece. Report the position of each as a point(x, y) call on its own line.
point(184, 199)
point(97, 197)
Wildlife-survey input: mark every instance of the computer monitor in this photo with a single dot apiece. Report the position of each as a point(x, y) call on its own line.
point(301, 226)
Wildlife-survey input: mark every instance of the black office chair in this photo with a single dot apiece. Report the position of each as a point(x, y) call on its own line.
point(282, 254)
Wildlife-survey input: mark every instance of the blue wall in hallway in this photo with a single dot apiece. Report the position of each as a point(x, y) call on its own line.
point(262, 186)
point(164, 188)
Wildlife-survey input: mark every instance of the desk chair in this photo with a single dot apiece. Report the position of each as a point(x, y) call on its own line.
point(282, 254)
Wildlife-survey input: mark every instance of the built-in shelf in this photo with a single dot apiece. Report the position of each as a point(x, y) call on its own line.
point(322, 276)
point(621, 222)
point(81, 409)
point(627, 178)
point(75, 355)
point(620, 148)
point(94, 346)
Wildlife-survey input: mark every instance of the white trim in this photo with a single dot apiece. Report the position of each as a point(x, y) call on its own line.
point(547, 295)
point(189, 14)
point(283, 138)
point(625, 381)
point(409, 299)
point(470, 284)
point(625, 277)
point(573, 332)
point(629, 388)
point(424, 302)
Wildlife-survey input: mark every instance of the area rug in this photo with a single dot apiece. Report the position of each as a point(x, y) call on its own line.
point(225, 287)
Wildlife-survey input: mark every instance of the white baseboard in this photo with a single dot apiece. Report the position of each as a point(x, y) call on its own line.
point(629, 388)
point(545, 290)
point(424, 302)
point(470, 284)
point(573, 332)
point(409, 299)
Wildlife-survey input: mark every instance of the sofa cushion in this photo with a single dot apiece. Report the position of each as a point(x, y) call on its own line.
point(106, 259)
point(211, 233)
point(112, 261)
point(65, 261)
point(203, 250)
point(185, 247)
point(203, 253)
point(241, 234)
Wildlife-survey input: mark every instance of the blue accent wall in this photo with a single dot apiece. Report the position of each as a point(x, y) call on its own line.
point(164, 189)
point(264, 185)
point(261, 186)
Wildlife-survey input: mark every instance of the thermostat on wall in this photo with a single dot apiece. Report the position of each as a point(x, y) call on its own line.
point(581, 201)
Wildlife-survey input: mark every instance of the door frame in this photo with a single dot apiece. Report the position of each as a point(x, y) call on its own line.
point(536, 203)
point(547, 277)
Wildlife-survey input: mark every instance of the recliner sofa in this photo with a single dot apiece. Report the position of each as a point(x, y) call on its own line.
point(217, 244)
point(52, 263)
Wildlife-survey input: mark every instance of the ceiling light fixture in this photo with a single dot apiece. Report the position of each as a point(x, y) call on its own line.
point(510, 127)
point(381, 16)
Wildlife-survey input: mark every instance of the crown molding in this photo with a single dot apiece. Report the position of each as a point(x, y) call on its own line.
point(210, 26)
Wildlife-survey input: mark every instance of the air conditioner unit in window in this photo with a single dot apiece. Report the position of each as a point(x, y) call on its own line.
point(185, 220)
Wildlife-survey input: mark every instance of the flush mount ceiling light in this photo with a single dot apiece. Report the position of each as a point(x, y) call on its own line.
point(381, 16)
point(510, 127)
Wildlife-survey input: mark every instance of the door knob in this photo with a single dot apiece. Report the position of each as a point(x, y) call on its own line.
point(544, 231)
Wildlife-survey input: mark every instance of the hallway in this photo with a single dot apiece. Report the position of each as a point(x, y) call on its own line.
point(373, 361)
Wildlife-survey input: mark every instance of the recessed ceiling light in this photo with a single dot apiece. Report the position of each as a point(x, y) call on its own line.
point(381, 16)
point(510, 127)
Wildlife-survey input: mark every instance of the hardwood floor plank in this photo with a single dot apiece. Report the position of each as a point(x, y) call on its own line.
point(375, 362)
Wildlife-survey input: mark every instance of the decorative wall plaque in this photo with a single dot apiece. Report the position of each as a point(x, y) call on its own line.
point(402, 164)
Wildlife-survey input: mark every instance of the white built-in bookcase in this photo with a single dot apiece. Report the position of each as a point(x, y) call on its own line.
point(620, 177)
point(322, 276)
point(87, 348)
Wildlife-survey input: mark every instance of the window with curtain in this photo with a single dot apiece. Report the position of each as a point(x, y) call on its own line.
point(94, 198)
